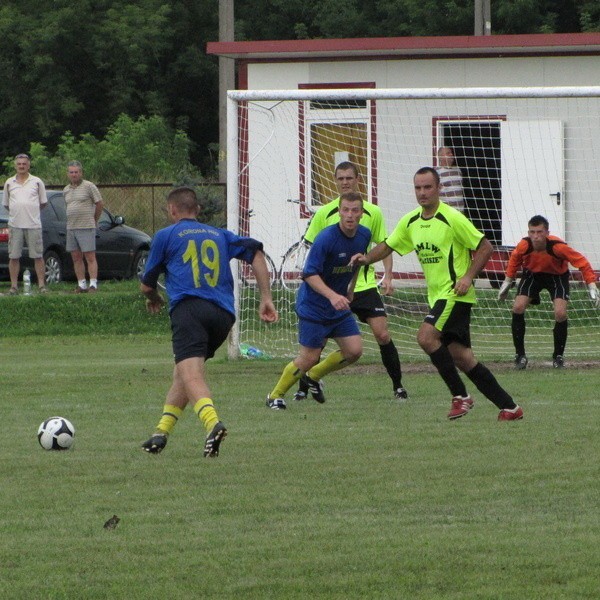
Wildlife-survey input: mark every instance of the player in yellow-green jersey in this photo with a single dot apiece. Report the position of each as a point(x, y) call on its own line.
point(367, 304)
point(451, 252)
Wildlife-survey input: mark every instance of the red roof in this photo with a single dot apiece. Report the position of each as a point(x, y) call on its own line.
point(399, 47)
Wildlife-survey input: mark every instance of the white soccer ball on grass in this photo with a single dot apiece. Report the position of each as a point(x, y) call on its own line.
point(56, 433)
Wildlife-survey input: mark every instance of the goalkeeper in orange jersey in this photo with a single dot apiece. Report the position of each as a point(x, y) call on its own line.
point(545, 260)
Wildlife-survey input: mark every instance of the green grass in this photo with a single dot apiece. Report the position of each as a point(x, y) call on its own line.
point(117, 308)
point(358, 498)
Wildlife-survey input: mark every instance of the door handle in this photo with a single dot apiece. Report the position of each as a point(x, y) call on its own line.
point(557, 198)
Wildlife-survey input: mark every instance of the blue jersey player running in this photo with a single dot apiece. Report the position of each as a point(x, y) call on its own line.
point(195, 260)
point(323, 304)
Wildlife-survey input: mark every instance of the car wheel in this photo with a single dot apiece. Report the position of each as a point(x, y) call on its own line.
point(139, 264)
point(53, 267)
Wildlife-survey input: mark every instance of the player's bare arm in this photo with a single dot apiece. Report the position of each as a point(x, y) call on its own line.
point(381, 251)
point(479, 259)
point(386, 284)
point(352, 285)
point(154, 301)
point(266, 309)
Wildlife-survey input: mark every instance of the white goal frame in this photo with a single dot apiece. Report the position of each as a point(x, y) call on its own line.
point(234, 97)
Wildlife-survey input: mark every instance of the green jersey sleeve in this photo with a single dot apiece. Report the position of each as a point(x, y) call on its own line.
point(326, 215)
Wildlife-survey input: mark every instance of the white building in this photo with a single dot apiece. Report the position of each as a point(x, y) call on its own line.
point(518, 159)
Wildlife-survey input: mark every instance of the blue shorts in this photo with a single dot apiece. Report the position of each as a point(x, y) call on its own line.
point(315, 335)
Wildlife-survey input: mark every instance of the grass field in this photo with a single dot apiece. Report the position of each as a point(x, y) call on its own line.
point(361, 497)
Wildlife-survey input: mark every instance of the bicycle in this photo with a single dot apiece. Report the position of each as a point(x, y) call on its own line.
point(290, 272)
point(292, 264)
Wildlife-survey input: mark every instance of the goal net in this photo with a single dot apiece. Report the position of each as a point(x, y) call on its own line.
point(504, 155)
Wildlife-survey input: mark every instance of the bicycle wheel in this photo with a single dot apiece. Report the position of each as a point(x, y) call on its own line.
point(292, 265)
point(247, 276)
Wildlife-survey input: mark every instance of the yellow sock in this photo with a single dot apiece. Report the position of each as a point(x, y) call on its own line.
point(288, 378)
point(169, 418)
point(206, 413)
point(334, 362)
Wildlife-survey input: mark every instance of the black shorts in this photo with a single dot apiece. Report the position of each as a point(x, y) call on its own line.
point(532, 284)
point(199, 328)
point(453, 319)
point(367, 304)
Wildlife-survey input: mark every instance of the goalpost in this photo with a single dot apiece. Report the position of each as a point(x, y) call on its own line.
point(520, 152)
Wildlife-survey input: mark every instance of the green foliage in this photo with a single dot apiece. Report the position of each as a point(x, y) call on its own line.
point(358, 498)
point(589, 15)
point(296, 19)
point(143, 150)
point(75, 67)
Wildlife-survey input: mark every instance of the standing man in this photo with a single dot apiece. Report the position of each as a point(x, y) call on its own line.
point(84, 207)
point(323, 304)
point(450, 179)
point(451, 252)
point(545, 260)
point(25, 197)
point(195, 260)
point(367, 304)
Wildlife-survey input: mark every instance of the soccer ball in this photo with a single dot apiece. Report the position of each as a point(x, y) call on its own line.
point(56, 433)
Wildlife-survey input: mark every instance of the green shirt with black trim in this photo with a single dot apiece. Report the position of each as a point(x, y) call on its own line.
point(443, 244)
point(372, 219)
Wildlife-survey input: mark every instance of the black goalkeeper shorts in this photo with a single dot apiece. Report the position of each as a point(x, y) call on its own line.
point(532, 284)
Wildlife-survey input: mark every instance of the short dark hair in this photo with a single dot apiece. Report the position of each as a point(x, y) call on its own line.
point(351, 197)
point(184, 198)
point(346, 166)
point(425, 170)
point(538, 220)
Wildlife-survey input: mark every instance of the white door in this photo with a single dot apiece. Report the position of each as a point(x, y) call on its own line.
point(532, 177)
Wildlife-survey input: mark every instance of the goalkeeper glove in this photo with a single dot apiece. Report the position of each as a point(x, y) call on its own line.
point(594, 294)
point(503, 293)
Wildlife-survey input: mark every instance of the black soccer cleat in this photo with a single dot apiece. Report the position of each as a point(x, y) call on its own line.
point(558, 362)
point(213, 441)
point(302, 392)
point(401, 394)
point(156, 444)
point(521, 362)
point(276, 403)
point(315, 388)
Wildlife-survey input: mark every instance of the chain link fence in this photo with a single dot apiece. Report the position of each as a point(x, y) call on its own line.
point(143, 204)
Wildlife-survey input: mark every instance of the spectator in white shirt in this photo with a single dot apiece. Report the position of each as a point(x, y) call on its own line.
point(450, 179)
point(24, 197)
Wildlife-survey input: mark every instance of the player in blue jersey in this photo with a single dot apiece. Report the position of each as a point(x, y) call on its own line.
point(194, 258)
point(323, 304)
point(451, 252)
point(367, 303)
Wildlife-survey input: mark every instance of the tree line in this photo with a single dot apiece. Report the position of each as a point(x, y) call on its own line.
point(82, 77)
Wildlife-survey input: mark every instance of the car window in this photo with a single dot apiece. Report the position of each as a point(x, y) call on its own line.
point(105, 219)
point(60, 208)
